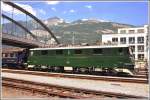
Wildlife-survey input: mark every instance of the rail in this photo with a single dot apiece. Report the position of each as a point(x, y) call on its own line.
point(61, 91)
point(89, 77)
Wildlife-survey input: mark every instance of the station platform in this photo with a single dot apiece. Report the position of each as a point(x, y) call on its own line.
point(135, 89)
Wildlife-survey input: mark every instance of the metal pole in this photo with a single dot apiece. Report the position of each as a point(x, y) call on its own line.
point(15, 30)
point(37, 30)
point(6, 28)
point(3, 25)
point(148, 46)
point(73, 38)
point(12, 18)
point(148, 51)
point(26, 27)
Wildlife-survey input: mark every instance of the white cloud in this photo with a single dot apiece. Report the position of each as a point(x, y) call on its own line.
point(27, 7)
point(46, 22)
point(89, 6)
point(72, 11)
point(52, 2)
point(42, 11)
point(64, 12)
point(54, 9)
point(9, 9)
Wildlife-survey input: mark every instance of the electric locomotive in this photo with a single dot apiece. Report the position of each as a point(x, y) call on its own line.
point(81, 59)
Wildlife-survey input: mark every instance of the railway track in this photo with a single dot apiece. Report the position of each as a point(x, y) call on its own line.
point(44, 88)
point(60, 91)
point(89, 77)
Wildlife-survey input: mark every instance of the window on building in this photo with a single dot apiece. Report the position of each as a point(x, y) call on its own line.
point(78, 51)
point(122, 31)
point(140, 39)
point(134, 56)
point(114, 40)
point(140, 30)
point(44, 52)
point(97, 51)
point(123, 40)
point(132, 48)
point(140, 56)
point(59, 52)
point(141, 48)
point(147, 40)
point(131, 31)
point(131, 40)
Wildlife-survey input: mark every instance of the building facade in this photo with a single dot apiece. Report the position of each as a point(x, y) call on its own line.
point(136, 38)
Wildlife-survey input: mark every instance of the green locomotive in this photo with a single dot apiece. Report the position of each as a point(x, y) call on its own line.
point(87, 58)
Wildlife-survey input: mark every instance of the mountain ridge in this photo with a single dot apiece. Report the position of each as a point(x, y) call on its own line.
point(85, 30)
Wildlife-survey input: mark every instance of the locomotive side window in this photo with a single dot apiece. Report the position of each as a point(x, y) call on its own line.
point(11, 55)
point(3, 55)
point(59, 52)
point(6, 55)
point(15, 54)
point(44, 52)
point(120, 50)
point(78, 51)
point(97, 51)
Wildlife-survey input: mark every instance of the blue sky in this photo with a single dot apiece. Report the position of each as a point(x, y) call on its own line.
point(135, 13)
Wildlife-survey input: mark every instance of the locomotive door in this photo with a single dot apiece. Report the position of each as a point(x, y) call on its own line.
point(68, 56)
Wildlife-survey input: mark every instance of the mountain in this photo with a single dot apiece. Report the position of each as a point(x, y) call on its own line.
point(91, 20)
point(86, 30)
point(83, 30)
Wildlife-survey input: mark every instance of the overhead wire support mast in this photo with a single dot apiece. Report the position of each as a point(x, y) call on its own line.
point(26, 27)
point(3, 25)
point(35, 18)
point(12, 22)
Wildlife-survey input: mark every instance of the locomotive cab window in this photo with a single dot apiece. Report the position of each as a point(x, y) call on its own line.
point(44, 52)
point(59, 52)
point(97, 51)
point(78, 51)
point(31, 53)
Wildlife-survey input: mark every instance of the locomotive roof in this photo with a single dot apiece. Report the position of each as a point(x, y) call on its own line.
point(82, 47)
